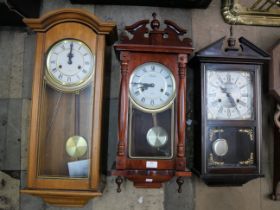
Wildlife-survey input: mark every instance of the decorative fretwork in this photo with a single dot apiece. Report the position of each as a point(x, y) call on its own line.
point(250, 161)
point(213, 162)
point(249, 132)
point(213, 131)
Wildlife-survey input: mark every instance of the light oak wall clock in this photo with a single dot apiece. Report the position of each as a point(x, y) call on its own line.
point(65, 130)
point(228, 109)
point(152, 104)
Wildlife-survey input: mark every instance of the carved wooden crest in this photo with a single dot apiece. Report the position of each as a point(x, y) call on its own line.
point(170, 36)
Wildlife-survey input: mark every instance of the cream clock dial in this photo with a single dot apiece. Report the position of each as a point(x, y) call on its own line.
point(229, 95)
point(152, 87)
point(70, 65)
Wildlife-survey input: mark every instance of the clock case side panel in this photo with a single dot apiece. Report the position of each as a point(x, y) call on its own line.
point(42, 46)
point(196, 67)
point(224, 178)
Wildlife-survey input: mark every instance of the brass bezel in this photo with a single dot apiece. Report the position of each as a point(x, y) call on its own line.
point(64, 87)
point(162, 107)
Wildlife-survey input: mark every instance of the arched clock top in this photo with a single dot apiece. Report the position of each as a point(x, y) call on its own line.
point(55, 17)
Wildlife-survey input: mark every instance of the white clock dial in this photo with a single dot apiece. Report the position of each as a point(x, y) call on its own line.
point(70, 64)
point(152, 87)
point(229, 95)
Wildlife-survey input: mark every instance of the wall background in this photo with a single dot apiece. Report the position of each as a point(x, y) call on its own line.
point(204, 27)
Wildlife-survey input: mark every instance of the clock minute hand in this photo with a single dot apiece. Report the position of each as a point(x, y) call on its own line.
point(70, 55)
point(144, 86)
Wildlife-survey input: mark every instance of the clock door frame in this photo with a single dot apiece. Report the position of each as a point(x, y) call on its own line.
point(50, 28)
point(254, 123)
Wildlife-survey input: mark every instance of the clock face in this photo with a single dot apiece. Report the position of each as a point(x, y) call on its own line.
point(70, 65)
point(152, 87)
point(229, 95)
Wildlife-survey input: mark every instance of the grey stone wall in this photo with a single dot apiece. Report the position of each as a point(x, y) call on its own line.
point(16, 58)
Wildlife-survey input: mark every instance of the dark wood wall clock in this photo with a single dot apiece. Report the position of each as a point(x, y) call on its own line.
point(274, 86)
point(65, 130)
point(228, 94)
point(152, 104)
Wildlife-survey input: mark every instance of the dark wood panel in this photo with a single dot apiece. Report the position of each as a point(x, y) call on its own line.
point(15, 10)
point(156, 3)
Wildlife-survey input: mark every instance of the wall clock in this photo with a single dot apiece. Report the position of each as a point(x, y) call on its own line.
point(65, 130)
point(151, 136)
point(274, 86)
point(228, 136)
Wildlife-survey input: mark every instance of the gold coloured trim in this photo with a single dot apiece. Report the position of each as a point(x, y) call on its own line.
point(249, 132)
point(250, 160)
point(213, 131)
point(261, 12)
point(213, 162)
point(158, 109)
point(63, 87)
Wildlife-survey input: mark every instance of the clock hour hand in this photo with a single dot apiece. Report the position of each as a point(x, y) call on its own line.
point(231, 99)
point(70, 55)
point(229, 96)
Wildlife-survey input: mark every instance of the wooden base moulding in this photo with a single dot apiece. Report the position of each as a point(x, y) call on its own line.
point(149, 178)
point(62, 197)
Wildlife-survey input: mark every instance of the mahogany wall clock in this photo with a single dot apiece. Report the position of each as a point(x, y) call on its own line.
point(228, 108)
point(65, 130)
point(152, 104)
point(274, 86)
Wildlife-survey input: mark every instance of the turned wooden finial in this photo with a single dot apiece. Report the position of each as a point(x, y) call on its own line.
point(155, 22)
point(231, 39)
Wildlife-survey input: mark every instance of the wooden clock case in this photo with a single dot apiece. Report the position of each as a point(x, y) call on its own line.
point(274, 86)
point(165, 47)
point(228, 54)
point(65, 190)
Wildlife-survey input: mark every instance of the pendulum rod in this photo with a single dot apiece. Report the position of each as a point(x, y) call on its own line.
point(77, 114)
point(154, 115)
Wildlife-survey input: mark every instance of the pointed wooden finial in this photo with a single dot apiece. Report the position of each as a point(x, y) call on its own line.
point(155, 22)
